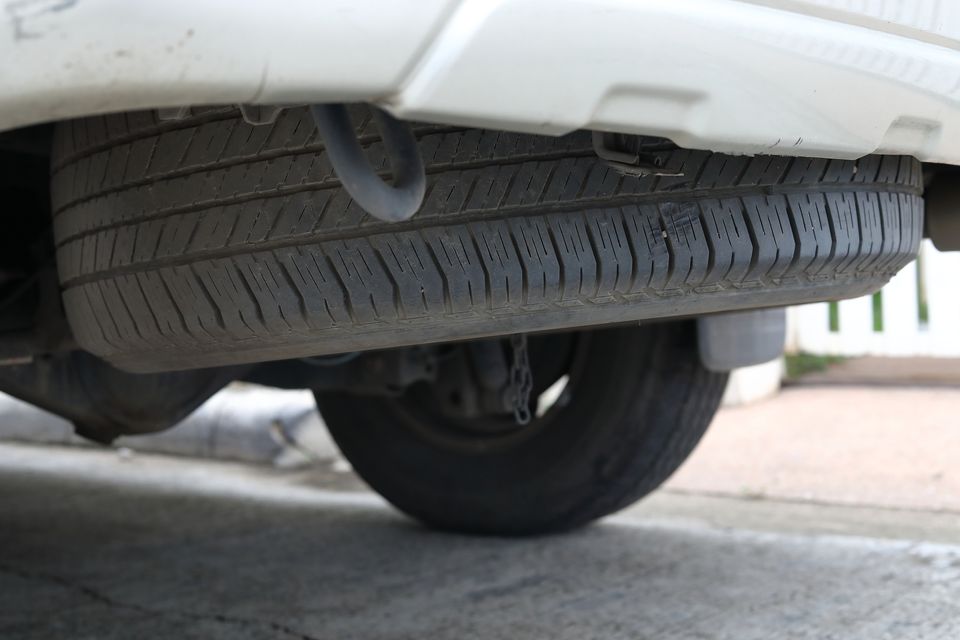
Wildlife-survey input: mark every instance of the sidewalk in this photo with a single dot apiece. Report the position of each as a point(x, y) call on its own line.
point(879, 446)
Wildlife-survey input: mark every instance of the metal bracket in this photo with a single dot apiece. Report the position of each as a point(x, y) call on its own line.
point(258, 114)
point(628, 162)
point(173, 113)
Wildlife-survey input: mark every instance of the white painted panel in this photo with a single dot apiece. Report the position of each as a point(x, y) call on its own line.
point(943, 297)
point(789, 78)
point(809, 326)
point(901, 325)
point(856, 325)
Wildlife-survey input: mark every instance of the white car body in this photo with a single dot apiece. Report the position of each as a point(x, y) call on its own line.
point(833, 78)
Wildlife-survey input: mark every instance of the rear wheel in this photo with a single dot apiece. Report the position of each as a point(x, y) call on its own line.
point(619, 410)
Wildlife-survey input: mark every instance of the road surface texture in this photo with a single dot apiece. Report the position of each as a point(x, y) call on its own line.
point(770, 531)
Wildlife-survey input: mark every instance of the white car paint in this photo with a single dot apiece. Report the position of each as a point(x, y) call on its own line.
point(835, 78)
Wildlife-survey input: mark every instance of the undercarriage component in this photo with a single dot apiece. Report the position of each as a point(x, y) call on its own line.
point(624, 155)
point(613, 413)
point(942, 216)
point(104, 403)
point(521, 379)
point(375, 373)
point(741, 339)
point(38, 326)
point(32, 319)
point(494, 382)
point(257, 114)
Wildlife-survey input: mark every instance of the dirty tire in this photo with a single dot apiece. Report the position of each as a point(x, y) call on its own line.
point(619, 436)
point(206, 241)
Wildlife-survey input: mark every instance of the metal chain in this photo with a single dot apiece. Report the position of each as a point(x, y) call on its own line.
point(521, 379)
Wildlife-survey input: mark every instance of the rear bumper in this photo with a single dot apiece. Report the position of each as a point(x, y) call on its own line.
point(793, 77)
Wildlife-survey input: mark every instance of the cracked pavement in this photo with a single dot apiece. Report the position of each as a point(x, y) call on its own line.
point(98, 545)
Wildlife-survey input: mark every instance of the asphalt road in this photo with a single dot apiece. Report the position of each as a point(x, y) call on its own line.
point(95, 545)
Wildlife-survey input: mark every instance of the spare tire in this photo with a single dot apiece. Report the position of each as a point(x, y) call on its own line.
point(207, 241)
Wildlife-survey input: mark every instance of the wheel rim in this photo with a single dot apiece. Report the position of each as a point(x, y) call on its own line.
point(557, 361)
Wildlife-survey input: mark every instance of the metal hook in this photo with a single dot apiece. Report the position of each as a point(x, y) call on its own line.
point(382, 201)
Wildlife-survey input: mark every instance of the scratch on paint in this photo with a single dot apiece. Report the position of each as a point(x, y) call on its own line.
point(23, 11)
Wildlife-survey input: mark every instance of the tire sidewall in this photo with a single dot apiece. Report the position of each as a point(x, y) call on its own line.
point(601, 450)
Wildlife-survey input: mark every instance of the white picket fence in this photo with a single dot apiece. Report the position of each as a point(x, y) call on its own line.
point(919, 310)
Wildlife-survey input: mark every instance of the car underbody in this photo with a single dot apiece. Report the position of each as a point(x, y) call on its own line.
point(435, 262)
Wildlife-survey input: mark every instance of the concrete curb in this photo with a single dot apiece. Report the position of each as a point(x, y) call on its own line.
point(752, 384)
